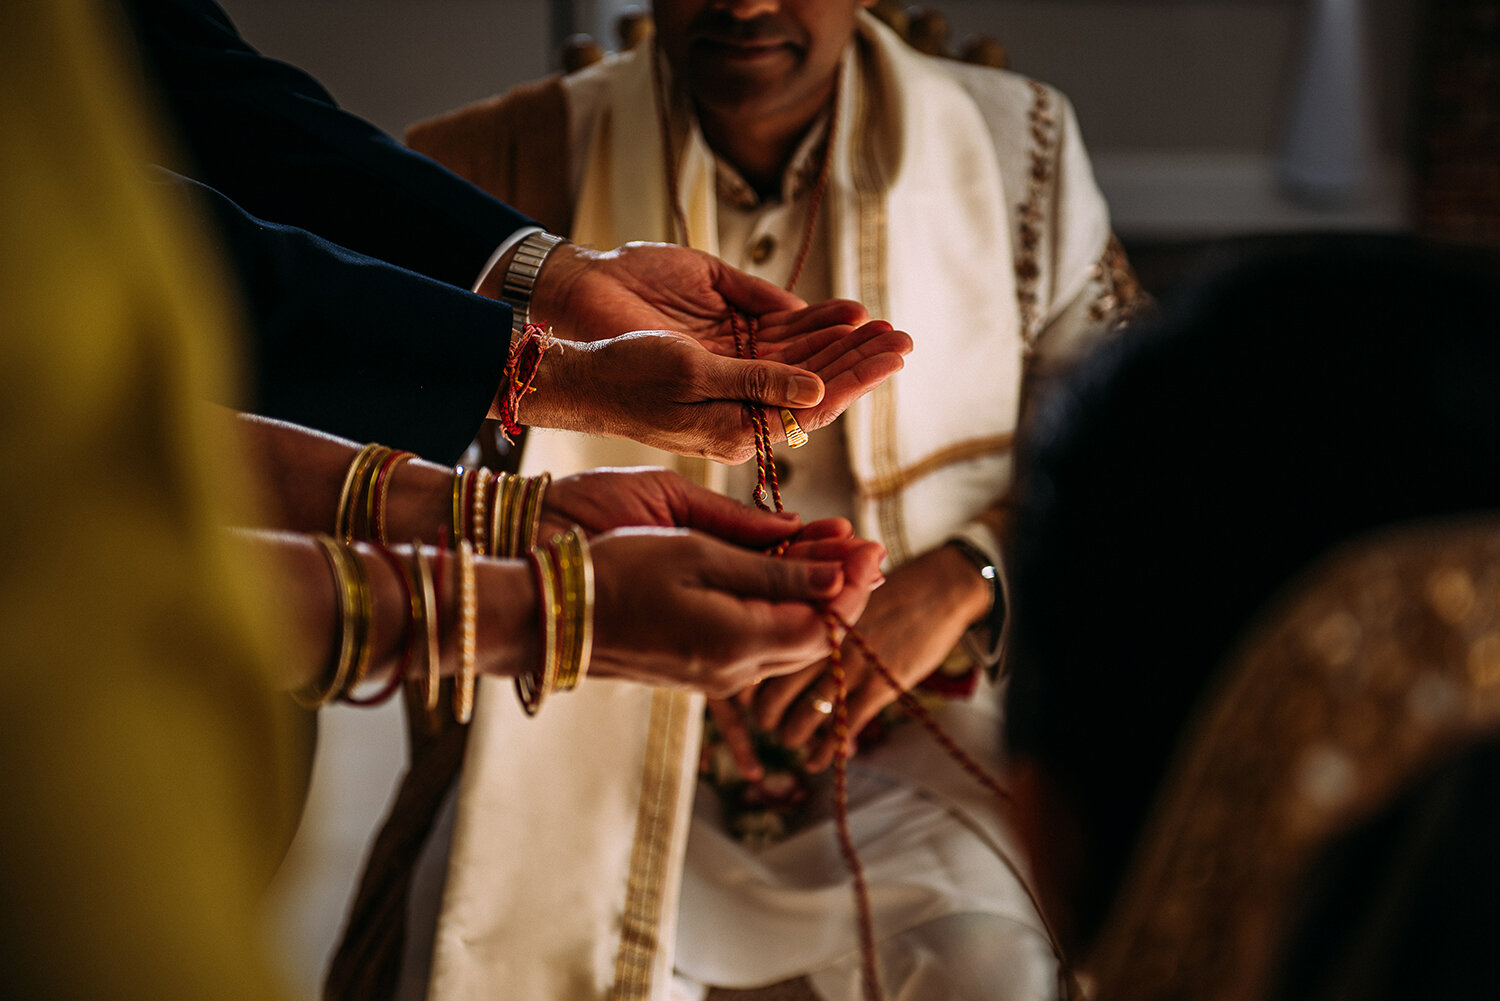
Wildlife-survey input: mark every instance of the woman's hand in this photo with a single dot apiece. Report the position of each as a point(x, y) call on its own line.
point(603, 499)
point(680, 609)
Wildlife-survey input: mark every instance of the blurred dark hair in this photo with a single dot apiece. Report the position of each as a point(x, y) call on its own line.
point(1301, 396)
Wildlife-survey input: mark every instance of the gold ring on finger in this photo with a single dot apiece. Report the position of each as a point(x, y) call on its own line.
point(795, 436)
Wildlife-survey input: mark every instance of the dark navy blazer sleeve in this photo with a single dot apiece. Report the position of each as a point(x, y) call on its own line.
point(271, 138)
point(354, 253)
point(344, 323)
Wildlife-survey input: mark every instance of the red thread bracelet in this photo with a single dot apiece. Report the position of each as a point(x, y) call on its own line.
point(525, 359)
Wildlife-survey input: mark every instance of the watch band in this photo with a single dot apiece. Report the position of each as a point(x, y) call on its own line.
point(520, 276)
point(983, 564)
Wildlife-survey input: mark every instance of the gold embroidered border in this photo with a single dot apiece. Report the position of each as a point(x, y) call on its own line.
point(961, 451)
point(1121, 297)
point(661, 788)
point(870, 189)
point(1032, 213)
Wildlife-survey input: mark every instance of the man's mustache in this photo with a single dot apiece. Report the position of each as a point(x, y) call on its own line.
point(715, 25)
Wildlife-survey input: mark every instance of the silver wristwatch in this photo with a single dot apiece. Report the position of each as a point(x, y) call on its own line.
point(520, 276)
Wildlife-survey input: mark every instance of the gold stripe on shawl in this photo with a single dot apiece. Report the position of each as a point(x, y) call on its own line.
point(890, 486)
point(661, 788)
point(874, 261)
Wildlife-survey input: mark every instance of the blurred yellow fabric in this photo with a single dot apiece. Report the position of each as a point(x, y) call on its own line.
point(148, 781)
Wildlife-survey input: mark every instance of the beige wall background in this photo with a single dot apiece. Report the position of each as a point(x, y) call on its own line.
point(1183, 102)
point(1190, 74)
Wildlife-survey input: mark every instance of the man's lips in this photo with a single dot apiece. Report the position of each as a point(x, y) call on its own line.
point(743, 48)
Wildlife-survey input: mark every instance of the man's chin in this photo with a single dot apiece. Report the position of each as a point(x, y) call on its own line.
point(759, 79)
point(739, 92)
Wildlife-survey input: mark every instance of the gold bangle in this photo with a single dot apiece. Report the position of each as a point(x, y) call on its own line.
point(372, 475)
point(459, 474)
point(505, 513)
point(516, 519)
point(432, 677)
point(586, 626)
point(533, 686)
point(371, 469)
point(380, 492)
point(554, 620)
point(576, 571)
point(482, 479)
point(312, 695)
point(536, 496)
point(343, 519)
point(364, 614)
point(497, 516)
point(562, 560)
point(468, 603)
point(353, 614)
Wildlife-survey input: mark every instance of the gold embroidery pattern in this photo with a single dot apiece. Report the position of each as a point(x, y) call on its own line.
point(1387, 658)
point(960, 451)
point(870, 187)
point(1032, 213)
point(661, 789)
point(804, 172)
point(1121, 297)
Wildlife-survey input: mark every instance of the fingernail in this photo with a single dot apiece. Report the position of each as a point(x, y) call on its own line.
point(804, 390)
point(824, 575)
point(878, 583)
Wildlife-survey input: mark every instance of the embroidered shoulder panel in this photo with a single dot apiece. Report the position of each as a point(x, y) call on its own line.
point(1033, 212)
point(1121, 298)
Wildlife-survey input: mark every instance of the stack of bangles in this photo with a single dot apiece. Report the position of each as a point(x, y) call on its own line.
point(564, 574)
point(493, 514)
point(498, 512)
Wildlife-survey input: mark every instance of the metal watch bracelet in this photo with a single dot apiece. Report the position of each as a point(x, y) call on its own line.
point(520, 276)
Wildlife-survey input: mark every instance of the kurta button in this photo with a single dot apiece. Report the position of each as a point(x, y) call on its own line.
point(784, 470)
point(762, 249)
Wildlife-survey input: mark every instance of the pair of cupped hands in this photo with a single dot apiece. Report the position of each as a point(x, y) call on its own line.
point(673, 380)
point(687, 596)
